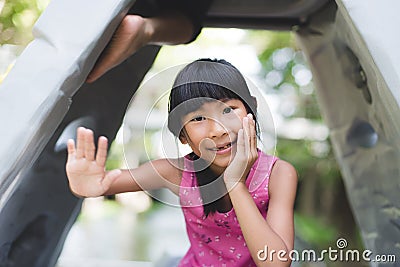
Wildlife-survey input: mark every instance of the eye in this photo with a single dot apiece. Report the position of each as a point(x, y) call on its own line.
point(198, 118)
point(227, 110)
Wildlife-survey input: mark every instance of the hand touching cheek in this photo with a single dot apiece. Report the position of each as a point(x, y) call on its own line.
point(246, 154)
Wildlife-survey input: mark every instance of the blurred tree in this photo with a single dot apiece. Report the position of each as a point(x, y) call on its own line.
point(323, 213)
point(17, 18)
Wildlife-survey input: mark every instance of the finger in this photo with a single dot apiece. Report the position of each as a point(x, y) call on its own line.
point(89, 145)
point(71, 149)
point(240, 142)
point(80, 142)
point(246, 129)
point(241, 150)
point(101, 155)
point(253, 136)
point(110, 177)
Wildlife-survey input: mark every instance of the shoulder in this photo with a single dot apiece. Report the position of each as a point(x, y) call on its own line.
point(284, 168)
point(283, 179)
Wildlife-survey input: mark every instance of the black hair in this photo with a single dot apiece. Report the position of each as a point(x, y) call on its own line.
point(202, 81)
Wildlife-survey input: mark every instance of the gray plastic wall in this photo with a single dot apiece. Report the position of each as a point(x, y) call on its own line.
point(353, 50)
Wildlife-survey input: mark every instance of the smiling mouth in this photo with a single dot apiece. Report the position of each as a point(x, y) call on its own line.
point(220, 148)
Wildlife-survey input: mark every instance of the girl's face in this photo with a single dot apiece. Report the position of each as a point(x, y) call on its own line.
point(211, 131)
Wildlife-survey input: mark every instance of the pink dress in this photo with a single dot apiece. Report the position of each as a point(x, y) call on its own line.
point(218, 240)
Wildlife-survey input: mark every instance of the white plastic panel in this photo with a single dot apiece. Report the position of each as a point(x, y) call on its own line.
point(35, 95)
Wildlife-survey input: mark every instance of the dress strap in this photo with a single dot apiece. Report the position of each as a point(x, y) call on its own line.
point(261, 170)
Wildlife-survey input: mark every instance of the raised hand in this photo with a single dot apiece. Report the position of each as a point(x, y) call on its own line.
point(246, 154)
point(86, 168)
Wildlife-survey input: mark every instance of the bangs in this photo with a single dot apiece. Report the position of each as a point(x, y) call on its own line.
point(190, 97)
point(187, 98)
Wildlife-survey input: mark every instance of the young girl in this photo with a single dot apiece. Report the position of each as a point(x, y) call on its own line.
point(237, 201)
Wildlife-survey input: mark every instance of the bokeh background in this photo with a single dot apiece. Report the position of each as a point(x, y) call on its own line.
point(137, 227)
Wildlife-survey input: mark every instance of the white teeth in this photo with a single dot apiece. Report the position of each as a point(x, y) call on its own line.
point(221, 148)
point(225, 147)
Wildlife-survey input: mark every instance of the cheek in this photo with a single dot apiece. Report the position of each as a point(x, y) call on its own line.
point(197, 137)
point(235, 121)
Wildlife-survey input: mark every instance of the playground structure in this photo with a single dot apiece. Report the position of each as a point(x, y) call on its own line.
point(351, 50)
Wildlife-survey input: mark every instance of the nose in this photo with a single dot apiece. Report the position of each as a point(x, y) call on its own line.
point(216, 129)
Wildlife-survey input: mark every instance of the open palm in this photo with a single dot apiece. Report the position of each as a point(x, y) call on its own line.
point(86, 168)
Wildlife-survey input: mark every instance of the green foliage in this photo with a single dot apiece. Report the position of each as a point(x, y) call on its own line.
point(300, 154)
point(114, 158)
point(17, 18)
point(272, 41)
point(314, 231)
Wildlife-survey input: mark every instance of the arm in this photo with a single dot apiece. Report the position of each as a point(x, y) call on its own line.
point(277, 230)
point(156, 174)
point(135, 32)
point(88, 178)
